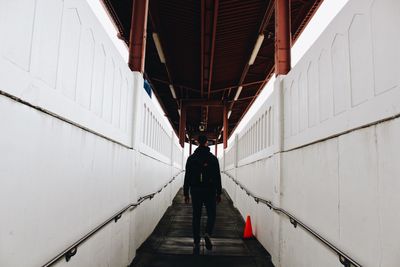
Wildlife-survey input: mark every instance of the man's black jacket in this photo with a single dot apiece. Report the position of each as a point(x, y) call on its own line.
point(202, 161)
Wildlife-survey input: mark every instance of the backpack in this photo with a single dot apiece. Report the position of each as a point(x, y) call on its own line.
point(201, 176)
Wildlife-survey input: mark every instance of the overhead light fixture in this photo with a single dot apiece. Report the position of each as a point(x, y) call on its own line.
point(219, 136)
point(179, 112)
point(256, 48)
point(238, 93)
point(229, 113)
point(159, 47)
point(171, 87)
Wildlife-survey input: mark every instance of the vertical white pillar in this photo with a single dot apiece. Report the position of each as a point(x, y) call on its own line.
point(278, 139)
point(172, 154)
point(278, 114)
point(236, 151)
point(137, 124)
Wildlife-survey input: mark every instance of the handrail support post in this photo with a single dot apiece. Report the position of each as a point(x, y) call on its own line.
point(71, 253)
point(344, 261)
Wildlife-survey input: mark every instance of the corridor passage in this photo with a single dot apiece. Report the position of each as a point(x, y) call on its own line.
point(171, 242)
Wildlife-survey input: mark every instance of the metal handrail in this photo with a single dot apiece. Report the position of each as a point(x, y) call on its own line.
point(344, 259)
point(70, 251)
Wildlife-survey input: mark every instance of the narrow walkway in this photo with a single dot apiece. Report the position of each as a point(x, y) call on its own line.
point(171, 243)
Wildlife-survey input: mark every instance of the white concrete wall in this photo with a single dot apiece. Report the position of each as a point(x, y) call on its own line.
point(334, 163)
point(72, 147)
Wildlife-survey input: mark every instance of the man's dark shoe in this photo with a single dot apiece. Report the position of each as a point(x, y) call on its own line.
point(196, 248)
point(208, 242)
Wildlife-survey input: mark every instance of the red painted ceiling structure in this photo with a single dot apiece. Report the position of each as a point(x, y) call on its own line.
point(207, 46)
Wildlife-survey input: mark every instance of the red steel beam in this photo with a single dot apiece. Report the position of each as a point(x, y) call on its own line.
point(236, 85)
point(202, 49)
point(216, 5)
point(283, 37)
point(202, 103)
point(137, 37)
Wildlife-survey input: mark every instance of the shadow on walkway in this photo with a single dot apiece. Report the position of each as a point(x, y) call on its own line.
point(171, 243)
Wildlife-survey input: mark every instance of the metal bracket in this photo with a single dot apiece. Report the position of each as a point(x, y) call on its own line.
point(117, 217)
point(344, 261)
point(292, 221)
point(71, 253)
point(257, 200)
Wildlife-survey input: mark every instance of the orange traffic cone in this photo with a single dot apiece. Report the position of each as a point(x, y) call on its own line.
point(248, 230)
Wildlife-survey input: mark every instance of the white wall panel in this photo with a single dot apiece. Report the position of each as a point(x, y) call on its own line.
point(352, 78)
point(294, 116)
point(388, 144)
point(18, 42)
point(386, 41)
point(60, 59)
point(312, 93)
point(361, 59)
point(69, 51)
point(303, 102)
point(309, 184)
point(85, 70)
point(46, 40)
point(58, 182)
point(359, 195)
point(325, 86)
point(341, 74)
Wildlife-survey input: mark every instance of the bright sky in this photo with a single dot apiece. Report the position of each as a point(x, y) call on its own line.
point(328, 10)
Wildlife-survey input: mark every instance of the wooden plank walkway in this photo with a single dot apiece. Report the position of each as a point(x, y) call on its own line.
point(171, 243)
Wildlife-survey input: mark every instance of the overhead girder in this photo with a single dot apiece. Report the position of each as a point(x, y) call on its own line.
point(223, 66)
point(137, 37)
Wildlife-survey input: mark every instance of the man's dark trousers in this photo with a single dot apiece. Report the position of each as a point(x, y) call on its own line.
point(207, 197)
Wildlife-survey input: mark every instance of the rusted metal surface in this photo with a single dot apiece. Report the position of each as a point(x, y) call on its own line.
point(137, 36)
point(214, 31)
point(283, 38)
point(202, 103)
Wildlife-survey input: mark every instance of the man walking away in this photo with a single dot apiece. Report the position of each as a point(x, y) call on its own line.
point(203, 178)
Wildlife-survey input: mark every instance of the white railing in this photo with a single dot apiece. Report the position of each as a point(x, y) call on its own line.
point(257, 138)
point(156, 139)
